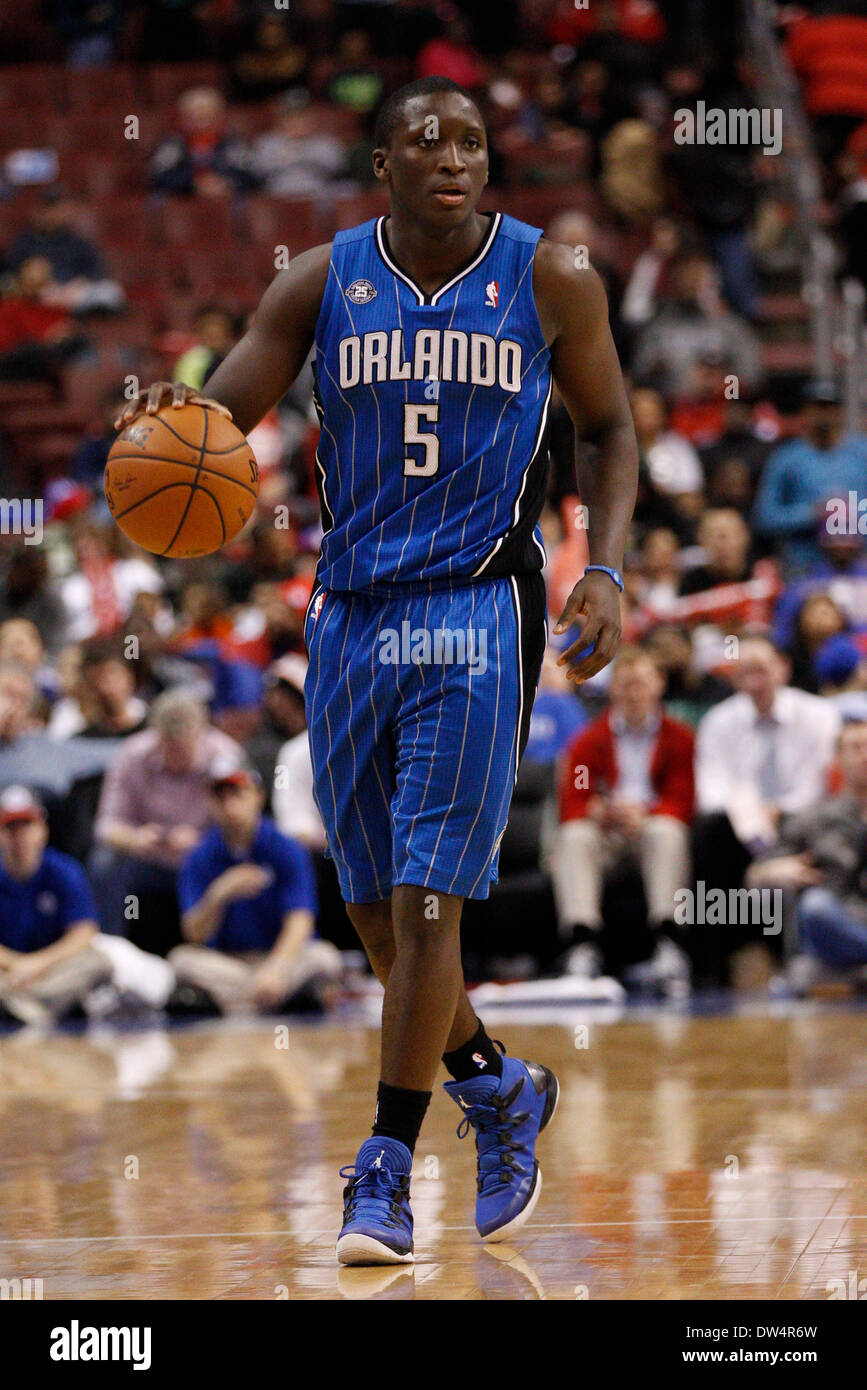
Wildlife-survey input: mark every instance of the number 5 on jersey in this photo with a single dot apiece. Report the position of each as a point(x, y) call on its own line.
point(412, 414)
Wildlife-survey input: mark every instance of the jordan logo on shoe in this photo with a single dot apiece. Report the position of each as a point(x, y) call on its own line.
point(479, 1061)
point(378, 1161)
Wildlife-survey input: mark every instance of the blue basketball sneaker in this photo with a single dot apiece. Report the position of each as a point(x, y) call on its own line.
point(507, 1113)
point(377, 1220)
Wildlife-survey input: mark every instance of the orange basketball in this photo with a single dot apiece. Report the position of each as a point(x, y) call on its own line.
point(182, 482)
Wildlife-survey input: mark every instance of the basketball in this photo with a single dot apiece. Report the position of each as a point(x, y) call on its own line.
point(182, 482)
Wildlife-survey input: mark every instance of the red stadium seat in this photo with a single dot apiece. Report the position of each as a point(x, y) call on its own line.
point(291, 222)
point(33, 87)
point(44, 416)
point(125, 224)
point(23, 395)
point(165, 81)
point(202, 224)
point(97, 88)
point(358, 207)
point(25, 128)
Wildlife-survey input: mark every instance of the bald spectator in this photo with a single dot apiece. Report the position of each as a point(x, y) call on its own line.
point(154, 806)
point(202, 157)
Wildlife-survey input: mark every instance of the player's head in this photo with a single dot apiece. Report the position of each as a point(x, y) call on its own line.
point(432, 150)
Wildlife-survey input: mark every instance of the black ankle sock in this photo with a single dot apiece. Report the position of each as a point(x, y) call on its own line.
point(399, 1113)
point(581, 934)
point(478, 1057)
point(668, 927)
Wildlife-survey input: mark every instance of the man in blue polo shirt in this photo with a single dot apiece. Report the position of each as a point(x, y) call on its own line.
point(47, 918)
point(248, 898)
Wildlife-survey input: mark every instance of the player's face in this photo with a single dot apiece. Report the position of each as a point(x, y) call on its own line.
point(437, 162)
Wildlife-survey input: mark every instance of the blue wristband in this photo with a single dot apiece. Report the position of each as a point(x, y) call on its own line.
point(614, 575)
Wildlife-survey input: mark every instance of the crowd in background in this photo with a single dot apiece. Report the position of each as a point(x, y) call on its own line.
point(158, 792)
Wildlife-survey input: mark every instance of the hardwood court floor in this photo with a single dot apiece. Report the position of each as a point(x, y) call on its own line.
point(709, 1157)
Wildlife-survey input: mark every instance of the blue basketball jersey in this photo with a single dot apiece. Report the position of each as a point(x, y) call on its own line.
point(432, 460)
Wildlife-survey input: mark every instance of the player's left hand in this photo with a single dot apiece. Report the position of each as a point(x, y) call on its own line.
point(152, 398)
point(594, 607)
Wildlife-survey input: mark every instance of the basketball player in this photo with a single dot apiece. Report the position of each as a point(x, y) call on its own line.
point(438, 331)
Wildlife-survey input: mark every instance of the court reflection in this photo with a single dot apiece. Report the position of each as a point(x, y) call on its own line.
point(690, 1157)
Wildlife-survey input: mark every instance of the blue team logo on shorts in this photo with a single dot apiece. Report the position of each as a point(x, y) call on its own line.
point(361, 292)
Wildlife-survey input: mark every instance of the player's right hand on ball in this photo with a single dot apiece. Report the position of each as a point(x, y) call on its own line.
point(161, 393)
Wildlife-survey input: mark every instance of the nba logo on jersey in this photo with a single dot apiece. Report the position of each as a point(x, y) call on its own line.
point(317, 605)
point(492, 294)
point(361, 292)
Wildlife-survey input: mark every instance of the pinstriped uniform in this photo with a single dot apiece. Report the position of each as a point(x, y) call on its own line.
point(426, 626)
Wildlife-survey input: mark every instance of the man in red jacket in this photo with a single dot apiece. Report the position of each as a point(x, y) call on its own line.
point(626, 793)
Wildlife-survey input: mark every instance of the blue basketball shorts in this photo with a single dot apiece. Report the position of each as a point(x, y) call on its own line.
point(418, 708)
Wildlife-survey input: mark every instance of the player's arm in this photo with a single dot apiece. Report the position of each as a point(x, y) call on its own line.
point(260, 368)
point(573, 311)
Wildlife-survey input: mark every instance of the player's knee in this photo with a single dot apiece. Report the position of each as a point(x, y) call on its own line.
point(424, 914)
point(373, 922)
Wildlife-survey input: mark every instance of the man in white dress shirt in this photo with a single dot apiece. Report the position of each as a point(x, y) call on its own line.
point(765, 751)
